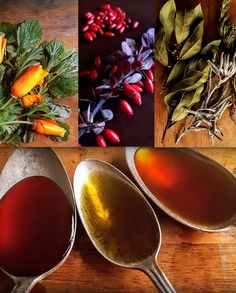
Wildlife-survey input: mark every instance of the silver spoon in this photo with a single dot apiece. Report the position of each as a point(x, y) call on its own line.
point(119, 220)
point(24, 163)
point(130, 159)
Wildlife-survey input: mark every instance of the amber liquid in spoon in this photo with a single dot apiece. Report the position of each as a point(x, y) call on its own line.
point(35, 227)
point(193, 187)
point(118, 219)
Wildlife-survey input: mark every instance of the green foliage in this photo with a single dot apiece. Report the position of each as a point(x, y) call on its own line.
point(29, 34)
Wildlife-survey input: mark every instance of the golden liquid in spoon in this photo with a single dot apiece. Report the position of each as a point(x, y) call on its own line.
point(118, 219)
point(196, 189)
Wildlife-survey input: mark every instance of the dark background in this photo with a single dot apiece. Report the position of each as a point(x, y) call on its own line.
point(139, 129)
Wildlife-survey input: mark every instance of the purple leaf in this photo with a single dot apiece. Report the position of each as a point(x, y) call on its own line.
point(134, 78)
point(99, 128)
point(102, 87)
point(107, 114)
point(144, 55)
point(147, 64)
point(126, 49)
point(131, 43)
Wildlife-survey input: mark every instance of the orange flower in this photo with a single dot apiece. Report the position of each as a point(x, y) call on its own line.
point(30, 100)
point(32, 77)
point(48, 127)
point(3, 43)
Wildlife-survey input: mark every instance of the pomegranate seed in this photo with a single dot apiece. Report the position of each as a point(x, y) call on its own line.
point(111, 26)
point(94, 75)
point(100, 31)
point(149, 74)
point(109, 34)
point(111, 135)
point(149, 85)
point(88, 15)
point(135, 24)
point(88, 37)
point(101, 141)
point(90, 21)
point(98, 61)
point(84, 73)
point(106, 6)
point(119, 25)
point(85, 28)
point(125, 106)
point(137, 88)
point(122, 29)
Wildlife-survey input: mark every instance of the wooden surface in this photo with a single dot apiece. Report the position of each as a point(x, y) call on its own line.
point(193, 261)
point(59, 20)
point(138, 129)
point(211, 9)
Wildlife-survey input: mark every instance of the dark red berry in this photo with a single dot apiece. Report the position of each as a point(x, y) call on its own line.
point(125, 106)
point(88, 37)
point(111, 135)
point(109, 34)
point(149, 85)
point(84, 73)
point(94, 75)
point(137, 88)
point(98, 61)
point(149, 74)
point(140, 83)
point(101, 141)
point(106, 6)
point(135, 24)
point(114, 69)
point(85, 28)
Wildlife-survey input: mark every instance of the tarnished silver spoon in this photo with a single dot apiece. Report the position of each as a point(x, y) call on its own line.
point(119, 220)
point(22, 165)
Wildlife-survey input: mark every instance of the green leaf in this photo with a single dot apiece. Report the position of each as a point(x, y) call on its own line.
point(29, 34)
point(64, 86)
point(176, 72)
point(2, 72)
point(197, 13)
point(183, 21)
point(210, 48)
point(194, 43)
point(188, 100)
point(161, 53)
point(167, 18)
point(54, 48)
point(65, 137)
point(9, 31)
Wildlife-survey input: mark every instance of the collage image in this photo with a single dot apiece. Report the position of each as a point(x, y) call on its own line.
point(118, 146)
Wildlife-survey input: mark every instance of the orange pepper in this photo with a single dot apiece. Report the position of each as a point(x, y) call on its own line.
point(30, 100)
point(32, 77)
point(3, 43)
point(48, 127)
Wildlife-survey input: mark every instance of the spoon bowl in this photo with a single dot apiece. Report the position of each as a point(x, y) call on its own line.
point(118, 219)
point(42, 163)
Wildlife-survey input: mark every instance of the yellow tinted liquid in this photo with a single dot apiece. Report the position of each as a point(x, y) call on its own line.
point(118, 219)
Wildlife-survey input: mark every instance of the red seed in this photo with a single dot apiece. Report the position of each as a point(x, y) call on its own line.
point(93, 34)
point(106, 6)
point(101, 141)
point(109, 34)
point(122, 29)
point(149, 74)
point(111, 26)
point(137, 88)
point(90, 21)
point(98, 61)
point(149, 85)
point(128, 19)
point(119, 25)
point(88, 15)
point(100, 31)
point(85, 28)
point(84, 73)
point(88, 37)
point(125, 106)
point(135, 24)
point(94, 75)
point(114, 68)
point(111, 135)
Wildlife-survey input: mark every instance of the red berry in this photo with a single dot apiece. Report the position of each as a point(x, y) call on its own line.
point(111, 135)
point(149, 74)
point(85, 28)
point(90, 21)
point(84, 73)
point(94, 75)
point(114, 68)
point(98, 61)
point(125, 106)
point(140, 83)
point(101, 141)
point(129, 87)
point(135, 24)
point(88, 37)
point(109, 34)
point(106, 6)
point(149, 85)
point(137, 88)
point(88, 15)
point(135, 96)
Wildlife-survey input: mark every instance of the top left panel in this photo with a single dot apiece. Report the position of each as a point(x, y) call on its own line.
point(39, 73)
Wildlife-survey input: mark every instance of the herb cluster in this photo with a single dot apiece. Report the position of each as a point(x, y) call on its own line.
point(23, 51)
point(201, 78)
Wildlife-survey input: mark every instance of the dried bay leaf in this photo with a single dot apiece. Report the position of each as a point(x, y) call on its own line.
point(176, 72)
point(183, 22)
point(161, 53)
point(194, 43)
point(188, 100)
point(212, 47)
point(167, 18)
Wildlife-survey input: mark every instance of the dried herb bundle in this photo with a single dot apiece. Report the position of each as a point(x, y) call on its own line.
point(32, 75)
point(194, 68)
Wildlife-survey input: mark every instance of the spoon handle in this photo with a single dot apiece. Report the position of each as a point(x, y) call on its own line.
point(23, 285)
point(158, 278)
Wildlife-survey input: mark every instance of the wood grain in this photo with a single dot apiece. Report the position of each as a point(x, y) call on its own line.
point(193, 261)
point(211, 9)
point(59, 20)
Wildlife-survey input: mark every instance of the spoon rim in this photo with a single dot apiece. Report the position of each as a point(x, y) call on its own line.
point(138, 265)
point(130, 155)
point(38, 278)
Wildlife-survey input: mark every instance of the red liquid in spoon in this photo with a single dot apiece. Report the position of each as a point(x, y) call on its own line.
point(36, 221)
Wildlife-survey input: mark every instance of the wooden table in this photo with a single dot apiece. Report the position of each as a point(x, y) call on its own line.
point(59, 20)
point(211, 10)
point(193, 261)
